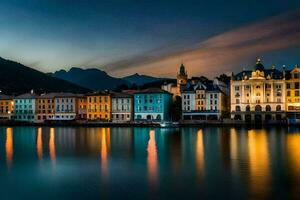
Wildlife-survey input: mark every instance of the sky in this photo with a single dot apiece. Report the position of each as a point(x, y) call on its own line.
point(150, 37)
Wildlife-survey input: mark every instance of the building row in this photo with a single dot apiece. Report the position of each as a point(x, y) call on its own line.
point(149, 104)
point(265, 94)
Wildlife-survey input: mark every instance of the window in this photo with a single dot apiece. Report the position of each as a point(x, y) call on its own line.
point(237, 108)
point(268, 108)
point(288, 86)
point(297, 93)
point(248, 108)
point(296, 85)
point(237, 101)
point(278, 108)
point(237, 88)
point(257, 108)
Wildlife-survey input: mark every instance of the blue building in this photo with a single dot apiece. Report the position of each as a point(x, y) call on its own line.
point(24, 107)
point(152, 105)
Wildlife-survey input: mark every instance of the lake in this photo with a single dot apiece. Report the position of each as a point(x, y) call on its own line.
point(149, 163)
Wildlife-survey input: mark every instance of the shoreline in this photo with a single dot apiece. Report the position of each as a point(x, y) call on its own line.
point(145, 124)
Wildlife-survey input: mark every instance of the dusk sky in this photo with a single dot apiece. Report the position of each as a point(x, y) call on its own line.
point(124, 37)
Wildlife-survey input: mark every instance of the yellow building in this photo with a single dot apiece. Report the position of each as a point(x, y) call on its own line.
point(6, 106)
point(293, 94)
point(44, 107)
point(81, 107)
point(200, 99)
point(99, 106)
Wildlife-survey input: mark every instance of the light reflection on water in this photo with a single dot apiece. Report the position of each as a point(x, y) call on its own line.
point(138, 162)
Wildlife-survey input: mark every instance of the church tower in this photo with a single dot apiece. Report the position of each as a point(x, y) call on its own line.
point(182, 76)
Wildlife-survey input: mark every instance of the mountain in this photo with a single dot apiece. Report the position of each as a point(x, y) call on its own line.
point(93, 79)
point(17, 78)
point(141, 80)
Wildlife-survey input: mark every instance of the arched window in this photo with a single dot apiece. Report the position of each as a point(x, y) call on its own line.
point(238, 108)
point(158, 117)
point(248, 108)
point(257, 108)
point(278, 108)
point(268, 108)
point(149, 117)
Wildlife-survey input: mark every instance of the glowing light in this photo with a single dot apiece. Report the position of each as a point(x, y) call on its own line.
point(200, 152)
point(39, 144)
point(52, 145)
point(9, 147)
point(258, 162)
point(152, 158)
point(105, 144)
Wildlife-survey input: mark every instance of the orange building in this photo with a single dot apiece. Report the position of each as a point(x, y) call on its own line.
point(81, 107)
point(45, 107)
point(99, 106)
point(6, 106)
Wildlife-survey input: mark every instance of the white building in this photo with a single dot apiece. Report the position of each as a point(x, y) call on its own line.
point(122, 107)
point(203, 102)
point(258, 95)
point(65, 106)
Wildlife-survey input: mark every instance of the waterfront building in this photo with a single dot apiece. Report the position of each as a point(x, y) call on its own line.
point(6, 106)
point(181, 81)
point(24, 107)
point(99, 106)
point(152, 105)
point(45, 107)
point(293, 95)
point(258, 95)
point(65, 106)
point(122, 107)
point(81, 107)
point(203, 101)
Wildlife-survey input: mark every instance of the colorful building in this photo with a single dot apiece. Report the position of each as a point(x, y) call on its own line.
point(24, 107)
point(152, 105)
point(181, 81)
point(99, 106)
point(6, 106)
point(258, 95)
point(203, 101)
point(45, 107)
point(122, 107)
point(293, 95)
point(65, 105)
point(81, 107)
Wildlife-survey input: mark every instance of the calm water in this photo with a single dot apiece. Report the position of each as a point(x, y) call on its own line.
point(145, 163)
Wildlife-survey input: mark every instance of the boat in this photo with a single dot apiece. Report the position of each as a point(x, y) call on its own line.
point(169, 124)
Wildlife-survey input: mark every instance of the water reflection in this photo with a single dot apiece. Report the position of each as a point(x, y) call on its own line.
point(52, 149)
point(199, 153)
point(9, 146)
point(255, 164)
point(259, 163)
point(105, 148)
point(293, 157)
point(39, 144)
point(152, 158)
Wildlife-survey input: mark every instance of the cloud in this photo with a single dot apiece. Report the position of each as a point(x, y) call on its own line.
point(222, 53)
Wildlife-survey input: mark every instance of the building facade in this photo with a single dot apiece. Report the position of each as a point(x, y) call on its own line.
point(24, 107)
point(122, 107)
point(258, 95)
point(152, 105)
point(81, 107)
point(65, 105)
point(6, 106)
point(99, 106)
point(203, 101)
point(293, 95)
point(45, 107)
point(181, 81)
